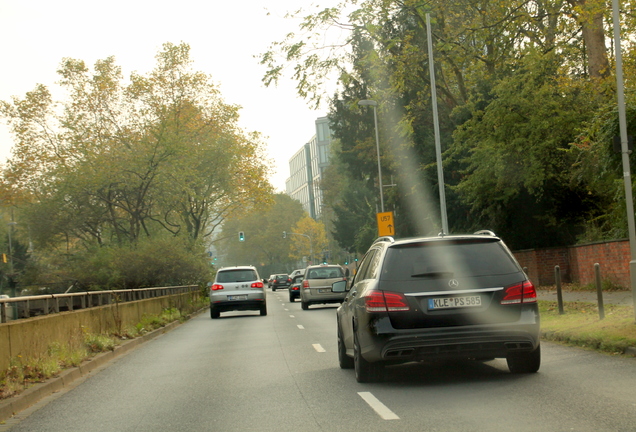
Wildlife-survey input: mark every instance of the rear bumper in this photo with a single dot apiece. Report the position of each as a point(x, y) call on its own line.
point(310, 297)
point(242, 305)
point(382, 343)
point(488, 344)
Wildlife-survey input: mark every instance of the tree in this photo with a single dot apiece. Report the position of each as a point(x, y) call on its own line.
point(264, 245)
point(516, 159)
point(163, 152)
point(309, 240)
point(115, 163)
point(499, 153)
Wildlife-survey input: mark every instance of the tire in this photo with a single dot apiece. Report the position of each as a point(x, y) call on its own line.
point(292, 299)
point(304, 305)
point(264, 310)
point(274, 289)
point(345, 361)
point(523, 363)
point(214, 313)
point(366, 372)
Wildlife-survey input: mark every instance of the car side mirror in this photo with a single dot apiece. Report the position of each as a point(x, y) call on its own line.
point(339, 287)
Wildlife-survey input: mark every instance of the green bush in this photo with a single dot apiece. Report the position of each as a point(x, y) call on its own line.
point(167, 261)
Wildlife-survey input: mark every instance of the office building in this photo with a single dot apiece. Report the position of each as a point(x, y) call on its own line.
point(306, 169)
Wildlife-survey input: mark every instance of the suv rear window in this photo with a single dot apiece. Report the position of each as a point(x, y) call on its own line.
point(236, 276)
point(456, 258)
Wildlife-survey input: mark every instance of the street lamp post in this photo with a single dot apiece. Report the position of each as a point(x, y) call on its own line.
point(374, 104)
point(11, 224)
point(438, 145)
point(11, 275)
point(622, 120)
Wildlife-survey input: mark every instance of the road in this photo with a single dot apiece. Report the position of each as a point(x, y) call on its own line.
point(244, 372)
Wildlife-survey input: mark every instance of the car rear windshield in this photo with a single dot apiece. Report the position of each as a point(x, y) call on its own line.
point(457, 258)
point(236, 275)
point(325, 273)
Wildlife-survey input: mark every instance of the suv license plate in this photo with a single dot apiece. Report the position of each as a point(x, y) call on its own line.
point(454, 302)
point(324, 290)
point(237, 297)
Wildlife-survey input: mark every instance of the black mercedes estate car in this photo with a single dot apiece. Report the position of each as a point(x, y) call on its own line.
point(436, 298)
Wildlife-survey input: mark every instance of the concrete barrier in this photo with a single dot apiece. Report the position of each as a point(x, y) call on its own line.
point(31, 338)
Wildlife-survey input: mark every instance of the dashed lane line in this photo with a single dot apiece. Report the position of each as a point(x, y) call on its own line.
point(318, 348)
point(378, 407)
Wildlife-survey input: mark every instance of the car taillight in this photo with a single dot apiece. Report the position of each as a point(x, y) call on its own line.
point(257, 285)
point(305, 284)
point(216, 287)
point(379, 301)
point(396, 302)
point(523, 292)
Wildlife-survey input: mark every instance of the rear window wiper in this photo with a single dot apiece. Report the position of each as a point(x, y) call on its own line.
point(434, 274)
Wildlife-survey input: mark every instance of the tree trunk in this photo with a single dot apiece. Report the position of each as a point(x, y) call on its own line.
point(590, 16)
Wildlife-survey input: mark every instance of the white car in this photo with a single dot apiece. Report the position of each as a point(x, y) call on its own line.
point(237, 289)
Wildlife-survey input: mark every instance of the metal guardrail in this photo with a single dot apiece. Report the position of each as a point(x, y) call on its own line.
point(30, 306)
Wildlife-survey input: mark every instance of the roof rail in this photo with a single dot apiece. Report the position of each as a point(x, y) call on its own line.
point(385, 238)
point(485, 232)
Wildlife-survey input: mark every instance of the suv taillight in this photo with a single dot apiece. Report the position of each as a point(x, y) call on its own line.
point(305, 284)
point(523, 292)
point(216, 287)
point(384, 301)
point(257, 285)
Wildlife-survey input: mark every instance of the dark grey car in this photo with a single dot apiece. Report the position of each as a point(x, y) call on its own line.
point(451, 297)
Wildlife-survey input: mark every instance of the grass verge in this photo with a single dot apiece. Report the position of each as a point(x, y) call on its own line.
point(581, 326)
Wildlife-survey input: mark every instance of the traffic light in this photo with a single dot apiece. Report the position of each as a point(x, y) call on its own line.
point(241, 236)
point(4, 258)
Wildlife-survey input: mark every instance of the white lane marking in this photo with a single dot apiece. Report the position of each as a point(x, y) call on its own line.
point(292, 316)
point(301, 327)
point(318, 348)
point(286, 310)
point(378, 406)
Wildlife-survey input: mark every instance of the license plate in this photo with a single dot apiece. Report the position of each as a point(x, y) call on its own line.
point(454, 302)
point(237, 297)
point(324, 290)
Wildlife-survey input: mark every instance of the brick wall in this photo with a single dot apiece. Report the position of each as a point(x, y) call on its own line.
point(576, 263)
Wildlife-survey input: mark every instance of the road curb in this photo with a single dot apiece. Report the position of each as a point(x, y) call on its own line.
point(29, 397)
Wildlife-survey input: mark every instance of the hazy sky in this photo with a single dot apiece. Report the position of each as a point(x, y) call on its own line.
point(224, 38)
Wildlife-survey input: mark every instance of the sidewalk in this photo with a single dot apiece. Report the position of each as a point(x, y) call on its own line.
point(609, 297)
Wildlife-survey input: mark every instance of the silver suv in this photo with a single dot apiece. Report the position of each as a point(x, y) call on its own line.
point(316, 287)
point(237, 289)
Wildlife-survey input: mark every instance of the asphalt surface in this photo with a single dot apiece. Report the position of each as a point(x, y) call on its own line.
point(614, 297)
point(279, 373)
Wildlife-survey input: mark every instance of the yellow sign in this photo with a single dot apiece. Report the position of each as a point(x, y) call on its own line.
point(386, 227)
